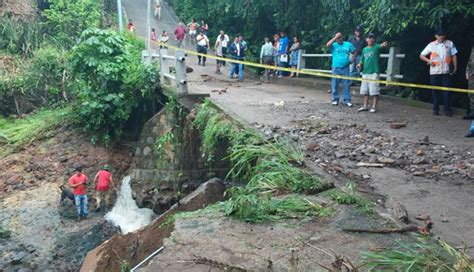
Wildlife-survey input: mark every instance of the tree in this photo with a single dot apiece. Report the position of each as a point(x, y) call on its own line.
point(111, 80)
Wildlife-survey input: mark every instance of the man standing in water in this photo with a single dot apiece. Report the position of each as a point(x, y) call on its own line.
point(104, 182)
point(78, 183)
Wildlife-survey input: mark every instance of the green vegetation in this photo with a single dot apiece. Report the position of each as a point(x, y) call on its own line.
point(17, 132)
point(271, 167)
point(349, 196)
point(422, 255)
point(20, 36)
point(114, 81)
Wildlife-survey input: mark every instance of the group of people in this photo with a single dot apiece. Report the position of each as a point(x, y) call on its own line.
point(102, 183)
point(193, 29)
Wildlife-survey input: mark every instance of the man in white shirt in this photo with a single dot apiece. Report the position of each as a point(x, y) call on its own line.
point(202, 46)
point(442, 53)
point(224, 44)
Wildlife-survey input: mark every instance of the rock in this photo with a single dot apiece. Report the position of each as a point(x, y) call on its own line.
point(149, 140)
point(397, 125)
point(385, 160)
point(366, 177)
point(419, 152)
point(146, 151)
point(369, 150)
point(17, 257)
point(312, 146)
point(340, 155)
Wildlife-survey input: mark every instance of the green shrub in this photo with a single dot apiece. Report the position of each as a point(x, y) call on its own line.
point(20, 36)
point(115, 81)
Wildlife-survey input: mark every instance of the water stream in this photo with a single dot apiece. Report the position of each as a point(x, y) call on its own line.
point(125, 213)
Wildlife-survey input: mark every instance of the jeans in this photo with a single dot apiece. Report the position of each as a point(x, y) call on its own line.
point(202, 50)
point(472, 126)
point(81, 204)
point(343, 71)
point(445, 81)
point(236, 67)
point(354, 72)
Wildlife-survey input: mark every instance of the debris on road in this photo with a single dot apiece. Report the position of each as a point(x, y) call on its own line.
point(397, 125)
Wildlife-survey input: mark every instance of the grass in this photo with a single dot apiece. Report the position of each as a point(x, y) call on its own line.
point(422, 255)
point(15, 133)
point(349, 196)
point(253, 208)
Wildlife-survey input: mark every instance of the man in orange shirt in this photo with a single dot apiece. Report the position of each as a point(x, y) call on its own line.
point(104, 182)
point(78, 183)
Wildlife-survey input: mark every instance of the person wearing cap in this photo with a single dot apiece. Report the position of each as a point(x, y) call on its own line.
point(104, 182)
point(341, 52)
point(370, 67)
point(78, 182)
point(442, 54)
point(359, 43)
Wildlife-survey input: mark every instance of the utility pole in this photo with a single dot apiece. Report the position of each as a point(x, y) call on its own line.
point(119, 13)
point(148, 28)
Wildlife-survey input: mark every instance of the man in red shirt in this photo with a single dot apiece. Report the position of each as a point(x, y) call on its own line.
point(78, 183)
point(104, 182)
point(180, 34)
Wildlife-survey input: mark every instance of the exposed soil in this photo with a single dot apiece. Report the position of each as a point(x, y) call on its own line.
point(24, 8)
point(45, 234)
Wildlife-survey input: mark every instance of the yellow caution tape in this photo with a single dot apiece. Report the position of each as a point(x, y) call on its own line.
point(326, 75)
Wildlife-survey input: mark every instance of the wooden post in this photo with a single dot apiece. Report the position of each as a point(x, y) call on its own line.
point(393, 65)
point(164, 67)
point(181, 76)
point(301, 61)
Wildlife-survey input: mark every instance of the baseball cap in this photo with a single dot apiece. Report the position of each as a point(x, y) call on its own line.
point(358, 28)
point(371, 35)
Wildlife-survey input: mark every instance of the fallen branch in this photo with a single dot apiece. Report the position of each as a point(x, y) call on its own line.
point(369, 164)
point(411, 228)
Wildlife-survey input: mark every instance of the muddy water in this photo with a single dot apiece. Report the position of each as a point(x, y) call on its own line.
point(45, 235)
point(126, 214)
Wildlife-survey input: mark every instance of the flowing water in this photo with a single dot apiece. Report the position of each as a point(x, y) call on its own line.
point(126, 213)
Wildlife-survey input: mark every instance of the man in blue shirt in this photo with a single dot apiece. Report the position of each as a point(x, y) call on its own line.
point(341, 52)
point(282, 51)
point(237, 52)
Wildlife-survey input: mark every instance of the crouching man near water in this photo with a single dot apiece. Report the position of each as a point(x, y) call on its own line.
point(104, 182)
point(78, 183)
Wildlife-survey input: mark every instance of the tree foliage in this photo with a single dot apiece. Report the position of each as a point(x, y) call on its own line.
point(112, 80)
point(66, 19)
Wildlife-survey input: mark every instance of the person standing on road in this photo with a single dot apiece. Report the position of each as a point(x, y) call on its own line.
point(470, 79)
point(370, 67)
point(276, 44)
point(78, 183)
point(357, 40)
point(104, 181)
point(267, 53)
point(237, 52)
point(158, 9)
point(282, 52)
point(204, 27)
point(219, 52)
point(164, 38)
point(341, 52)
point(224, 44)
point(180, 34)
point(193, 27)
point(294, 54)
point(131, 27)
point(202, 46)
point(153, 38)
point(442, 53)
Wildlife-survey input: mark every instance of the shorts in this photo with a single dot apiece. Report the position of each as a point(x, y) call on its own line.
point(220, 61)
point(267, 60)
point(192, 32)
point(370, 88)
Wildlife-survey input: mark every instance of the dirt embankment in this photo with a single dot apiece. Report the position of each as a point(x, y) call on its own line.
point(44, 233)
point(22, 9)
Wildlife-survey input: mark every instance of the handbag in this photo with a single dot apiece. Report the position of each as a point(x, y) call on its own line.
point(284, 58)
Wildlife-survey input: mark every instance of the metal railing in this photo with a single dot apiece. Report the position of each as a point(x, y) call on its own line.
point(169, 76)
point(393, 65)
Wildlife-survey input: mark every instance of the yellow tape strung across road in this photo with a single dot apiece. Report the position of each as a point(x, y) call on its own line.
point(326, 75)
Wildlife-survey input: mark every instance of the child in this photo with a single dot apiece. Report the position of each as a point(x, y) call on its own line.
point(370, 66)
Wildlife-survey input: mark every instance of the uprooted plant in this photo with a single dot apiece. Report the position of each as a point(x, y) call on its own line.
point(422, 255)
